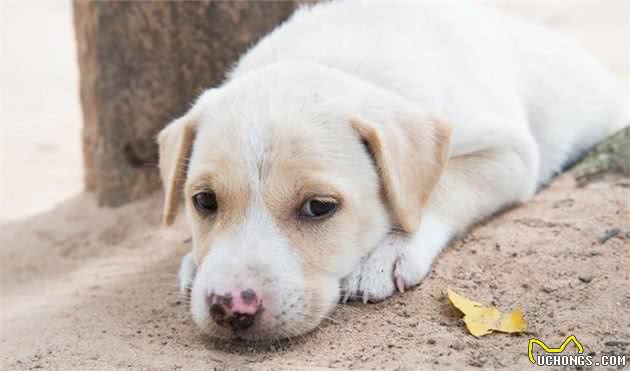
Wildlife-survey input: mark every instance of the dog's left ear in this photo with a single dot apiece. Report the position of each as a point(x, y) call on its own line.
point(410, 151)
point(175, 142)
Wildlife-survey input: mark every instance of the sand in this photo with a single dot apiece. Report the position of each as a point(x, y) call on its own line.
point(89, 288)
point(93, 288)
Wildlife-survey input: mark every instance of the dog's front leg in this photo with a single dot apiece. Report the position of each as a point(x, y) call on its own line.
point(398, 262)
point(186, 274)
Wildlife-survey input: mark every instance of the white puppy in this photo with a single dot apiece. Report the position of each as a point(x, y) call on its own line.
point(318, 170)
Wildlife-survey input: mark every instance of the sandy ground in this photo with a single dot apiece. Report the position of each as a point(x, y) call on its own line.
point(89, 288)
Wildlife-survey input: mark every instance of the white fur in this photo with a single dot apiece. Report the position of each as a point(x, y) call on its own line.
point(186, 274)
point(522, 103)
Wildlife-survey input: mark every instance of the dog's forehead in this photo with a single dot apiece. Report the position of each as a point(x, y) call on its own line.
point(256, 143)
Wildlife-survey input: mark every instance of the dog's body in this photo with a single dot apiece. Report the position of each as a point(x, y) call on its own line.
point(287, 128)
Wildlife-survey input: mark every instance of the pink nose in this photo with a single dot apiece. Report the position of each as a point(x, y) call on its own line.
point(237, 310)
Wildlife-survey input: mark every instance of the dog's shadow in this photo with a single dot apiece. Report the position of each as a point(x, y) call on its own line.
point(342, 316)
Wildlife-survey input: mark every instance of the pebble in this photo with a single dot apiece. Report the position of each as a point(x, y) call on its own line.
point(586, 279)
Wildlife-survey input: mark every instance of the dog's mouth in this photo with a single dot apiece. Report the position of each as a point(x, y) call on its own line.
point(251, 318)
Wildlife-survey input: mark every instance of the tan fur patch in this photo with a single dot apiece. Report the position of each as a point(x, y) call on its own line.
point(227, 181)
point(175, 143)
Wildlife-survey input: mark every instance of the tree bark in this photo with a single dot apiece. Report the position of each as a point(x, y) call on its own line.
point(142, 64)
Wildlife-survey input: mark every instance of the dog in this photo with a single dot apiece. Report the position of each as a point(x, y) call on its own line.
point(351, 144)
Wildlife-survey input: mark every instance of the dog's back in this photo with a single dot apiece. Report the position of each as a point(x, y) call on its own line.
point(572, 101)
point(460, 60)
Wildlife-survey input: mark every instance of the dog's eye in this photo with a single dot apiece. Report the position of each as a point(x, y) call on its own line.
point(206, 202)
point(318, 208)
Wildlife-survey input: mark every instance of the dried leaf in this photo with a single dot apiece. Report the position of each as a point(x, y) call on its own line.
point(482, 320)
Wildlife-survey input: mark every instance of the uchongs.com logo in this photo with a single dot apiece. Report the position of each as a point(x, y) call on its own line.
point(561, 356)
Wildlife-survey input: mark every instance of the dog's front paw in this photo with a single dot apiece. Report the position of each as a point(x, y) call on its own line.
point(186, 274)
point(392, 266)
point(410, 268)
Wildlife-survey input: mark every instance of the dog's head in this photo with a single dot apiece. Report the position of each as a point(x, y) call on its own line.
point(292, 174)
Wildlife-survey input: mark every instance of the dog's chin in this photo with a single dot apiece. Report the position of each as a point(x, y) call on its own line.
point(261, 332)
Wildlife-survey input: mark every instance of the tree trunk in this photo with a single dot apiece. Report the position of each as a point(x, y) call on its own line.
point(142, 64)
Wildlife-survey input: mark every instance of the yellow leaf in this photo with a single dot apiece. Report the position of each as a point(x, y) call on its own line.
point(482, 320)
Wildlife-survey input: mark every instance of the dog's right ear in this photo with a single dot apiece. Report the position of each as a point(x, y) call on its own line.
point(410, 152)
point(175, 142)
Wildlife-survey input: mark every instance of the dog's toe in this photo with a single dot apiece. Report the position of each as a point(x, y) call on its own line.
point(372, 279)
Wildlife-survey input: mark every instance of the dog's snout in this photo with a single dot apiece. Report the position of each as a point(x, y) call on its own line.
point(237, 310)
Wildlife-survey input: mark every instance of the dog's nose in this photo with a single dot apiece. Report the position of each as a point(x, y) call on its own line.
point(237, 310)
